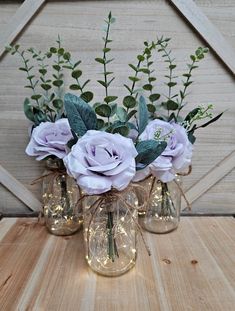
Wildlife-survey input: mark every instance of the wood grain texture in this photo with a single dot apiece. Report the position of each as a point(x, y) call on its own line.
point(207, 30)
point(79, 24)
point(210, 178)
point(21, 192)
point(18, 22)
point(190, 269)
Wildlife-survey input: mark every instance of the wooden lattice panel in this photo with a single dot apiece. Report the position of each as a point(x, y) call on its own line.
point(78, 23)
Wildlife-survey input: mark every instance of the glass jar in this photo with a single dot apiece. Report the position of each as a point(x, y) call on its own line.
point(110, 231)
point(162, 212)
point(62, 213)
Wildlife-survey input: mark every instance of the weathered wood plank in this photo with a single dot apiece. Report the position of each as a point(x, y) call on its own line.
point(191, 268)
point(18, 22)
point(18, 189)
point(207, 30)
point(210, 178)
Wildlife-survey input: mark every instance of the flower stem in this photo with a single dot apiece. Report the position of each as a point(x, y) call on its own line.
point(112, 246)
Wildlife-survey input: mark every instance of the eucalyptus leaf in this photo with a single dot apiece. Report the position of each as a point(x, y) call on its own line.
point(154, 97)
point(80, 115)
point(121, 114)
point(122, 130)
point(148, 151)
point(143, 115)
point(28, 111)
point(76, 74)
point(131, 114)
point(129, 101)
point(109, 99)
point(103, 110)
point(87, 96)
point(99, 124)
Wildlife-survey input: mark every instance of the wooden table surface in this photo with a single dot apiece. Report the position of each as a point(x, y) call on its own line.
point(192, 268)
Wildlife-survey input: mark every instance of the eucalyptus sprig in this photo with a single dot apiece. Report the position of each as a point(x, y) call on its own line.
point(195, 58)
point(108, 108)
point(170, 103)
point(46, 102)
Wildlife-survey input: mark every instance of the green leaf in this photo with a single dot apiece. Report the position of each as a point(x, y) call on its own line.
point(103, 110)
point(143, 114)
point(172, 66)
point(106, 50)
point(122, 130)
point(76, 74)
point(211, 121)
point(57, 103)
point(121, 114)
point(23, 69)
point(46, 86)
point(60, 51)
point(87, 96)
point(57, 83)
point(85, 83)
point(148, 151)
point(102, 83)
point(171, 84)
point(151, 108)
point(67, 56)
point(134, 79)
point(131, 114)
point(133, 67)
point(191, 137)
point(144, 70)
point(99, 124)
point(171, 105)
point(151, 79)
point(127, 87)
point(113, 108)
point(42, 71)
point(140, 58)
point(28, 111)
point(191, 114)
point(53, 50)
point(74, 87)
point(148, 87)
point(193, 58)
point(188, 83)
point(109, 99)
point(100, 60)
point(56, 67)
point(110, 81)
point(154, 97)
point(36, 96)
point(129, 101)
point(80, 115)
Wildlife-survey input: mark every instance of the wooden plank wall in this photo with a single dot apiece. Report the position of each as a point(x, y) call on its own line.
point(79, 24)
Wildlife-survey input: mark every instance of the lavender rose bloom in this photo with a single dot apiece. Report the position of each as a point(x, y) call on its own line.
point(100, 161)
point(177, 155)
point(50, 138)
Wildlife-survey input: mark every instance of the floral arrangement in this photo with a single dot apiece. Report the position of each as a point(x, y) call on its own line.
point(106, 145)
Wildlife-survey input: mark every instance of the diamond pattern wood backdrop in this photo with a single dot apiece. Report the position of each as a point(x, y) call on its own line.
point(211, 185)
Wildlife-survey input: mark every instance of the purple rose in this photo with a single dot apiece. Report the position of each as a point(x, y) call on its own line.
point(50, 139)
point(177, 155)
point(100, 161)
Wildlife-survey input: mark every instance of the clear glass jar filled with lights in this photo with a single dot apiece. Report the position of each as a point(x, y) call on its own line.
point(110, 231)
point(62, 210)
point(162, 210)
